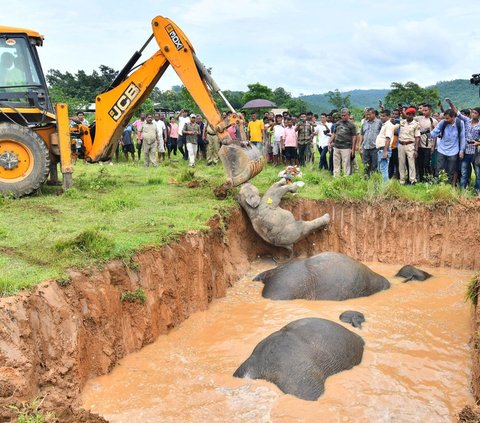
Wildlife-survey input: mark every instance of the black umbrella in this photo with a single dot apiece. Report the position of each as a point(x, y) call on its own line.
point(259, 104)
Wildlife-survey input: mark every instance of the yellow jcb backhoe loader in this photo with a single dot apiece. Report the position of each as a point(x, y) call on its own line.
point(35, 136)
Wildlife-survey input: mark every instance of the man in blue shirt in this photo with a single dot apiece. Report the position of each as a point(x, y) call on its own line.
point(451, 146)
point(127, 143)
point(472, 135)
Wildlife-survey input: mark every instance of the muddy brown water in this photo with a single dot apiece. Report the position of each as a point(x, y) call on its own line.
point(416, 366)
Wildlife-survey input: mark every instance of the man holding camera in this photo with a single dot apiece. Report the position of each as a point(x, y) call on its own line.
point(426, 146)
point(451, 146)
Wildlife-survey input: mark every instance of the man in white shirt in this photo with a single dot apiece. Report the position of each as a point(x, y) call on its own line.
point(182, 145)
point(322, 136)
point(383, 143)
point(278, 140)
point(162, 135)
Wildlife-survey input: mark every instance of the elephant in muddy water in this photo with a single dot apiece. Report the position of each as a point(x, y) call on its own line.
point(411, 273)
point(355, 318)
point(275, 225)
point(326, 276)
point(300, 356)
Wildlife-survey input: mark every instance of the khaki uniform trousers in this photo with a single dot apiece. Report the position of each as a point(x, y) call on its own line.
point(406, 154)
point(212, 148)
point(150, 154)
point(342, 159)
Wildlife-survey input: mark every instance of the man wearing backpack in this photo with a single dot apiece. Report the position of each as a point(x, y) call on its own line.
point(451, 146)
point(472, 136)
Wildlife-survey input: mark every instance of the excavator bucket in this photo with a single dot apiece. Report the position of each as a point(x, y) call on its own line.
point(241, 163)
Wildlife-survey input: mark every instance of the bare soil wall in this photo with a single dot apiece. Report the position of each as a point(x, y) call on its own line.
point(53, 339)
point(475, 342)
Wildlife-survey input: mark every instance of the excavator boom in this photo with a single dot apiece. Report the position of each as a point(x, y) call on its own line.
point(115, 107)
point(33, 139)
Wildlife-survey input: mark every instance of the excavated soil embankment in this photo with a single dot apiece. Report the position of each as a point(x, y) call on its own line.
point(57, 337)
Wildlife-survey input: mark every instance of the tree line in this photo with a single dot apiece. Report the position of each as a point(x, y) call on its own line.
point(79, 90)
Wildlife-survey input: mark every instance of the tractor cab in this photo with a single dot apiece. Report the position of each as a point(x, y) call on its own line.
point(23, 90)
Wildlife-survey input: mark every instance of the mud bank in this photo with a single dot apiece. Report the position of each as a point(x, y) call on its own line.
point(476, 350)
point(54, 339)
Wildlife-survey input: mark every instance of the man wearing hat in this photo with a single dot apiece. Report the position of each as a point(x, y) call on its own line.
point(191, 130)
point(408, 142)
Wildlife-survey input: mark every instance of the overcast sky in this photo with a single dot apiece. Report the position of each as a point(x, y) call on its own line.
point(304, 46)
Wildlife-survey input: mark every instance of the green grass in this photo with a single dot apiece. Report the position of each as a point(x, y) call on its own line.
point(133, 296)
point(30, 412)
point(473, 289)
point(113, 211)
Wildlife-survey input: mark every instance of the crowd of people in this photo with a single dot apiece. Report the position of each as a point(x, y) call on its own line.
point(160, 139)
point(412, 144)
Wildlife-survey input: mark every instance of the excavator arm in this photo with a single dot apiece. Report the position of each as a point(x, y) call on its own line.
point(115, 107)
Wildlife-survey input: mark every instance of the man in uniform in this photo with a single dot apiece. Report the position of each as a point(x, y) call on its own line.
point(150, 139)
point(213, 145)
point(408, 142)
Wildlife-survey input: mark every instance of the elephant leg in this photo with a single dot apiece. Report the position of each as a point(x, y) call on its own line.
point(277, 191)
point(315, 224)
point(290, 250)
point(290, 255)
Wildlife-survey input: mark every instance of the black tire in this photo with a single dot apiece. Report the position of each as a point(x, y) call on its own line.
point(36, 170)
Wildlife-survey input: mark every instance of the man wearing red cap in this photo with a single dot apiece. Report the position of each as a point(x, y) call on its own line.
point(408, 141)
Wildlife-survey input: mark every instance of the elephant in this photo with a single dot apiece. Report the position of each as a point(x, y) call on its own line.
point(326, 276)
point(354, 317)
point(275, 225)
point(412, 273)
point(300, 356)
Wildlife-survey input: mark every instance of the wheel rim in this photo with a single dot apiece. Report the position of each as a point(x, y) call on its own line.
point(16, 161)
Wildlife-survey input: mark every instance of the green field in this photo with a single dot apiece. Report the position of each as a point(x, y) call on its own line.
point(113, 211)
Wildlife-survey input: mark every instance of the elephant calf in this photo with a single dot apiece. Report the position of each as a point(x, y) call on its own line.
point(326, 276)
point(275, 225)
point(411, 273)
point(299, 357)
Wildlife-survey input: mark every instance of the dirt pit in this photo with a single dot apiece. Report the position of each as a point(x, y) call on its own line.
point(56, 338)
point(416, 366)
